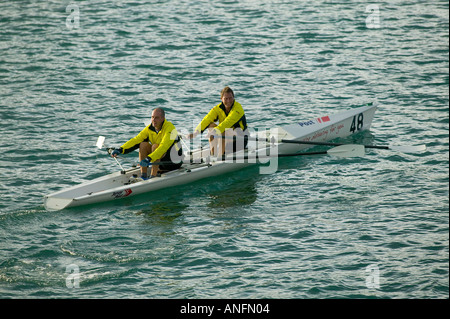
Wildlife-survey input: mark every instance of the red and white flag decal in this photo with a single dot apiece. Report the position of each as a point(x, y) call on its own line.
point(323, 119)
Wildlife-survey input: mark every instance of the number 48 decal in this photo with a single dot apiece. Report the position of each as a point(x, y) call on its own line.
point(357, 124)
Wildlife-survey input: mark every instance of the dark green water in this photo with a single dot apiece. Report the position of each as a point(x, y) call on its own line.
point(320, 227)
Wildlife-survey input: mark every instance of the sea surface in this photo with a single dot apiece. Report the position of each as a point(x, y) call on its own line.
point(320, 227)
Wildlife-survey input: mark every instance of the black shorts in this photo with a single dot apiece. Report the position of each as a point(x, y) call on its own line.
point(235, 143)
point(168, 164)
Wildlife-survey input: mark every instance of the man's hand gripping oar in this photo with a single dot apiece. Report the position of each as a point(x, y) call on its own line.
point(113, 152)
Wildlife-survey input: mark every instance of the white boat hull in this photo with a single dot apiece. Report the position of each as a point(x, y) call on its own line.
point(117, 185)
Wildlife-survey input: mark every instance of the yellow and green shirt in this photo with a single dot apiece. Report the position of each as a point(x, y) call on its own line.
point(234, 119)
point(165, 138)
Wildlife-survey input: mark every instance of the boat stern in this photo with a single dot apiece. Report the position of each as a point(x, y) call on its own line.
point(56, 203)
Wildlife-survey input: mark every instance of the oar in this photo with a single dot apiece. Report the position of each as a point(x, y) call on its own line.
point(100, 142)
point(346, 150)
point(400, 148)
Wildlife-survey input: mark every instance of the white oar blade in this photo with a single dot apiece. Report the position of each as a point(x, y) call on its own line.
point(100, 141)
point(347, 150)
point(408, 148)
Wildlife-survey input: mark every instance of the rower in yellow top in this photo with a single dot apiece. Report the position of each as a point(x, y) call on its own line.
point(158, 142)
point(232, 122)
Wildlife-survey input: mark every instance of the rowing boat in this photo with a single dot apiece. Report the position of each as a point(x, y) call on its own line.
point(285, 140)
